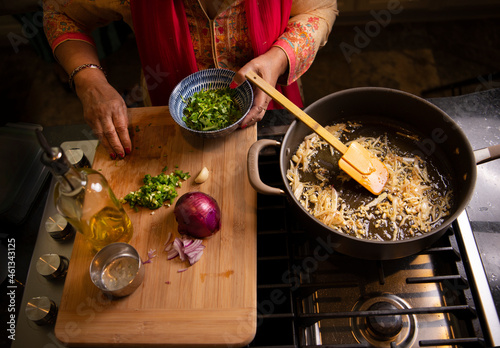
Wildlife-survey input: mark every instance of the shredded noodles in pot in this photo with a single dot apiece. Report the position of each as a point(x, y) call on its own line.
point(413, 202)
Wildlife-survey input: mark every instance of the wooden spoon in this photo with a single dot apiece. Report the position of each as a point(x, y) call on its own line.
point(356, 161)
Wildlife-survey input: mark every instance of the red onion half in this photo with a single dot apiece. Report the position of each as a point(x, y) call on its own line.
point(197, 214)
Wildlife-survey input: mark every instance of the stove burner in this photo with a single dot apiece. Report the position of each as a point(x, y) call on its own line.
point(384, 327)
point(383, 330)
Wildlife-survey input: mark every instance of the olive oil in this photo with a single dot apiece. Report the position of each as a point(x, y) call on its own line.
point(109, 226)
point(93, 209)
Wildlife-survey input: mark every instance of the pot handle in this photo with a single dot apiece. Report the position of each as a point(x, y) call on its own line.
point(253, 167)
point(487, 154)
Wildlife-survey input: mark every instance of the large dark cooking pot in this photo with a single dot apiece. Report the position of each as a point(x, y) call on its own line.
point(439, 136)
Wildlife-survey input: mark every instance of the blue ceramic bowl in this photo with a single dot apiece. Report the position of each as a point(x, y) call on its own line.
point(209, 79)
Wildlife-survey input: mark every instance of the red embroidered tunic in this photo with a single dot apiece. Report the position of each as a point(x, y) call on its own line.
point(221, 42)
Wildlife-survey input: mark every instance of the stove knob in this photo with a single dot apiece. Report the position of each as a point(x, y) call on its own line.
point(41, 310)
point(52, 266)
point(59, 228)
point(77, 158)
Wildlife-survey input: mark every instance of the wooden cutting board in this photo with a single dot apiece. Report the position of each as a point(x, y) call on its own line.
point(212, 303)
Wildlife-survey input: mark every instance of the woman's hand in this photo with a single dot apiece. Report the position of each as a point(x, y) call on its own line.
point(104, 111)
point(103, 108)
point(270, 66)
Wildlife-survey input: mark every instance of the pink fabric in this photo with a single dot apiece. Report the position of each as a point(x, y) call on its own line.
point(166, 51)
point(72, 36)
point(267, 20)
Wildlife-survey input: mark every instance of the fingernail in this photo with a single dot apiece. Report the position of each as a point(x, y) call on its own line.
point(112, 155)
point(127, 150)
point(233, 85)
point(121, 155)
point(244, 126)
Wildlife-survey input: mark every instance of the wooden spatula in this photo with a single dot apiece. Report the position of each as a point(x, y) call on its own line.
point(356, 161)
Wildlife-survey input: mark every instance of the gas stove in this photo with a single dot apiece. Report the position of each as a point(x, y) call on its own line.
point(309, 295)
point(447, 295)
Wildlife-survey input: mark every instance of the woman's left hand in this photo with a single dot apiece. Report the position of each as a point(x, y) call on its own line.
point(270, 66)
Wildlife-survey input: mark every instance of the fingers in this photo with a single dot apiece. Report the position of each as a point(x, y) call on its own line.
point(111, 136)
point(259, 65)
point(105, 131)
point(258, 110)
point(106, 112)
point(125, 139)
point(239, 77)
point(104, 141)
point(121, 127)
point(110, 124)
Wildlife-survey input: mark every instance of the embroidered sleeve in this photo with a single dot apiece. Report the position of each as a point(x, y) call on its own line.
point(307, 31)
point(59, 27)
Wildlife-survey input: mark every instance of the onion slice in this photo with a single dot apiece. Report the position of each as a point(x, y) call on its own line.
point(151, 256)
point(190, 249)
point(172, 254)
point(179, 247)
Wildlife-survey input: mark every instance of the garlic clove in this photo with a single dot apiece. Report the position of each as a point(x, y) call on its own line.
point(202, 176)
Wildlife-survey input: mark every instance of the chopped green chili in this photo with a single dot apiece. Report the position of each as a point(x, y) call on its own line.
point(156, 190)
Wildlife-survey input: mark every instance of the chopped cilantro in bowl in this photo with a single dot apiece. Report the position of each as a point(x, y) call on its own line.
point(203, 117)
point(211, 109)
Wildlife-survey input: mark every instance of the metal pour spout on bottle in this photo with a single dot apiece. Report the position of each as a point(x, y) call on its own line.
point(84, 198)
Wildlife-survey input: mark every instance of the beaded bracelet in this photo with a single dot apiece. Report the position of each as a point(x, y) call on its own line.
point(82, 67)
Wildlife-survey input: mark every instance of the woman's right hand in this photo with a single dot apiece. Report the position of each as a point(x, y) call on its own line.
point(104, 111)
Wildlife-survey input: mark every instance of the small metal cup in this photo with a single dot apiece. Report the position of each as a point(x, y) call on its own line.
point(117, 269)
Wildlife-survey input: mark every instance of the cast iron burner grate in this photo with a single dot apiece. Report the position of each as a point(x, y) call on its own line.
point(308, 295)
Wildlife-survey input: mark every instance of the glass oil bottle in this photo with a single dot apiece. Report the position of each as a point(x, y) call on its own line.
point(84, 198)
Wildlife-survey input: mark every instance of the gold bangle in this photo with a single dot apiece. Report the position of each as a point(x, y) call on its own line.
point(80, 68)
